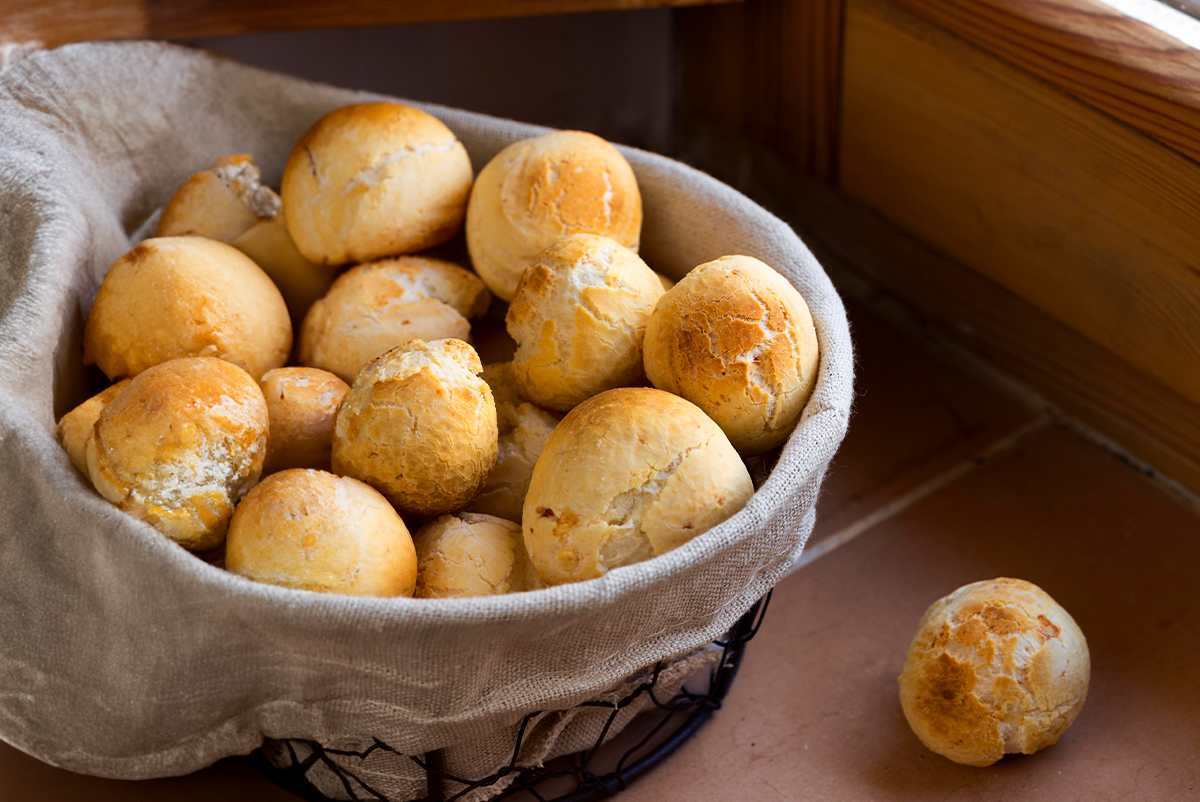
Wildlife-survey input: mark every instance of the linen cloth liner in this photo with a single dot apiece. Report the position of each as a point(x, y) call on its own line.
point(122, 655)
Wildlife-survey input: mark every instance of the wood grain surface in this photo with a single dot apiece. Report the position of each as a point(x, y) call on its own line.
point(1127, 68)
point(57, 22)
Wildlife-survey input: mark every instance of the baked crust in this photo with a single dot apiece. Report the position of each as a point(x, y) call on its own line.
point(179, 446)
point(467, 554)
point(628, 475)
point(75, 428)
point(736, 339)
point(419, 425)
point(579, 316)
point(373, 180)
point(997, 667)
point(173, 297)
point(374, 307)
point(302, 405)
point(311, 530)
point(539, 190)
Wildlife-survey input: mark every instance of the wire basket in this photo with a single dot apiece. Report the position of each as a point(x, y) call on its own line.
point(689, 709)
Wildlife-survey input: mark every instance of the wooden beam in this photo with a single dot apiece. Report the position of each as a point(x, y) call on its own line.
point(1088, 49)
point(59, 22)
point(771, 68)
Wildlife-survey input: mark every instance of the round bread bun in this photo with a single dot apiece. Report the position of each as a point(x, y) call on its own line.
point(311, 530)
point(372, 180)
point(466, 554)
point(179, 445)
point(628, 475)
point(997, 667)
point(302, 405)
point(374, 307)
point(75, 428)
point(186, 296)
point(537, 191)
point(524, 430)
point(419, 426)
point(579, 316)
point(736, 339)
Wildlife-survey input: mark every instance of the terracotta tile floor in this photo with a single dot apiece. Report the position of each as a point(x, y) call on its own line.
point(814, 713)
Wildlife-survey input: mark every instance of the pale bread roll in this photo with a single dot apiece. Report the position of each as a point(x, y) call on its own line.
point(372, 180)
point(736, 339)
point(537, 191)
point(302, 405)
point(229, 203)
point(419, 425)
point(75, 428)
point(311, 530)
point(524, 430)
point(579, 316)
point(186, 296)
point(466, 554)
point(628, 475)
point(179, 445)
point(997, 667)
point(374, 307)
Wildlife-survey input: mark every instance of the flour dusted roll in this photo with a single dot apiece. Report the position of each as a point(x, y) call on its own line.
point(311, 530)
point(628, 475)
point(374, 307)
point(579, 316)
point(523, 432)
point(372, 180)
point(179, 445)
point(75, 428)
point(228, 202)
point(539, 190)
point(186, 296)
point(302, 405)
point(997, 667)
point(467, 554)
point(419, 425)
point(736, 339)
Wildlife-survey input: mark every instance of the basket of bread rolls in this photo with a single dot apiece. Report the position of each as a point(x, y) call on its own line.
point(344, 419)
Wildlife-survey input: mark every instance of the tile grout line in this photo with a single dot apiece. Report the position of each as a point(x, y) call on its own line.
point(900, 504)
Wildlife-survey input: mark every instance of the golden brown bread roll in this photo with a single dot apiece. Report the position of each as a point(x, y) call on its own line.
point(736, 339)
point(311, 530)
point(579, 315)
point(996, 668)
point(419, 425)
point(228, 202)
point(628, 475)
point(466, 554)
point(523, 429)
point(537, 191)
point(76, 426)
point(372, 180)
point(179, 445)
point(374, 307)
point(302, 405)
point(186, 296)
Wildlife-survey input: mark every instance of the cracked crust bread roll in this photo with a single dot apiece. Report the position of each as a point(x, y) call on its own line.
point(466, 554)
point(302, 406)
point(997, 667)
point(579, 316)
point(628, 475)
point(736, 339)
point(524, 430)
point(311, 530)
point(228, 202)
point(537, 191)
point(372, 180)
point(419, 426)
point(179, 445)
point(186, 296)
point(374, 307)
point(75, 428)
